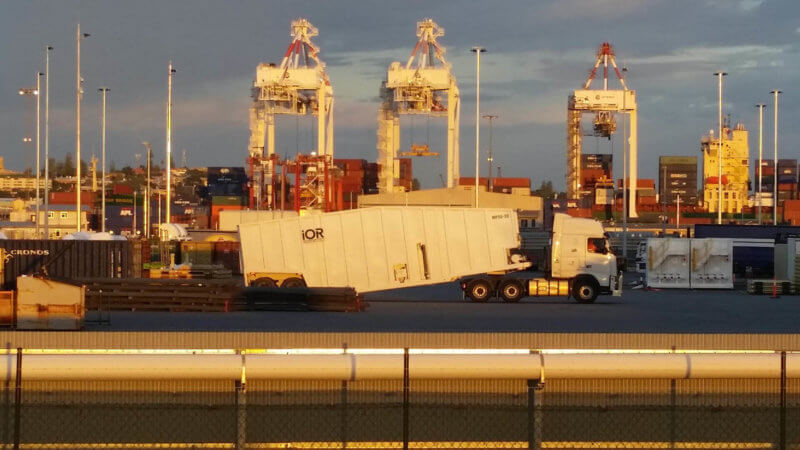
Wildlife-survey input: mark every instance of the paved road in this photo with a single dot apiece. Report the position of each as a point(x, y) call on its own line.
point(440, 308)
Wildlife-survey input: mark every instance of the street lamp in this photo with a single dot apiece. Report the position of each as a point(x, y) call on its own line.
point(78, 96)
point(35, 92)
point(760, 107)
point(47, 141)
point(491, 118)
point(719, 76)
point(30, 92)
point(170, 72)
point(103, 92)
point(775, 93)
point(477, 50)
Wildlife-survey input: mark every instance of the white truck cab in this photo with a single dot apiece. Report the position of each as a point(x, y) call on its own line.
point(582, 266)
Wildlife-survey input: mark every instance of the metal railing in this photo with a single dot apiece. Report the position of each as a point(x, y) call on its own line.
point(403, 412)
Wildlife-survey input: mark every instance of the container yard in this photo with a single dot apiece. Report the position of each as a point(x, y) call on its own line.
point(272, 228)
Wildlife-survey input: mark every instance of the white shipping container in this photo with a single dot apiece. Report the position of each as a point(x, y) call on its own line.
point(381, 248)
point(668, 263)
point(712, 263)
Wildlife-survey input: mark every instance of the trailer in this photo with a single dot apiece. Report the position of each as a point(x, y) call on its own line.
point(374, 249)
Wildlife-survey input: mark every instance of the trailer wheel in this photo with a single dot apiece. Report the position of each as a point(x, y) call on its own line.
point(479, 290)
point(585, 289)
point(293, 282)
point(511, 290)
point(264, 282)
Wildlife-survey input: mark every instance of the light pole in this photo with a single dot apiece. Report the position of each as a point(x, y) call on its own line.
point(146, 218)
point(170, 72)
point(491, 118)
point(47, 50)
point(35, 92)
point(78, 96)
point(760, 107)
point(719, 76)
point(38, 147)
point(775, 93)
point(103, 92)
point(477, 51)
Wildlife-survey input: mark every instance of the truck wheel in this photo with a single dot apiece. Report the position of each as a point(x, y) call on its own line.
point(511, 290)
point(293, 282)
point(264, 282)
point(479, 290)
point(585, 290)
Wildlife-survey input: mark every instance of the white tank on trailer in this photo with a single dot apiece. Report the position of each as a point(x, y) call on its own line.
point(379, 248)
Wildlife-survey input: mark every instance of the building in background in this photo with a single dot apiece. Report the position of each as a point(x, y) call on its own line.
point(677, 176)
point(735, 170)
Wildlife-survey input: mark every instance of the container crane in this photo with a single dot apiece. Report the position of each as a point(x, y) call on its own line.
point(604, 104)
point(425, 85)
point(299, 86)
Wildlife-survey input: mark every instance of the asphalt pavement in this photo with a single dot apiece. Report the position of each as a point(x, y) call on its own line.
point(441, 309)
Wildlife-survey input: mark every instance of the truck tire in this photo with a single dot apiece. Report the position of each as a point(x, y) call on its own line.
point(585, 289)
point(478, 290)
point(511, 290)
point(264, 282)
point(293, 282)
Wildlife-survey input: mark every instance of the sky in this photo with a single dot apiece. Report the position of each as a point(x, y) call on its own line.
point(537, 53)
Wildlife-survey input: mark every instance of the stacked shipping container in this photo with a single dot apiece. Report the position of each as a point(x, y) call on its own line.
point(678, 176)
point(596, 174)
point(353, 178)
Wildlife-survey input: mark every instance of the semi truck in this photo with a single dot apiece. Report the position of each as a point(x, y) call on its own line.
point(381, 248)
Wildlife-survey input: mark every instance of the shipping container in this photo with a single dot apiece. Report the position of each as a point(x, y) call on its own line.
point(197, 253)
point(641, 183)
point(229, 200)
point(71, 260)
point(226, 254)
point(678, 160)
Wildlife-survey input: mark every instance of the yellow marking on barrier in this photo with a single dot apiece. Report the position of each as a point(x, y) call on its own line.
point(655, 444)
point(594, 445)
point(379, 351)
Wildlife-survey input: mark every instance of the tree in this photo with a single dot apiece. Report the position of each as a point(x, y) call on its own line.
point(68, 167)
point(546, 190)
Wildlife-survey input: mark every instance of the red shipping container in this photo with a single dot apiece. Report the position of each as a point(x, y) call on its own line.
point(511, 182)
point(69, 198)
point(121, 189)
point(580, 212)
point(640, 183)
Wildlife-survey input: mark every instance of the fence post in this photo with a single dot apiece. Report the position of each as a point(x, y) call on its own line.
point(344, 414)
point(18, 399)
point(782, 438)
point(534, 414)
point(673, 399)
point(241, 408)
point(406, 391)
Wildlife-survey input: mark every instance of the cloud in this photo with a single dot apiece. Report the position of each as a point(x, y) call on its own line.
point(570, 9)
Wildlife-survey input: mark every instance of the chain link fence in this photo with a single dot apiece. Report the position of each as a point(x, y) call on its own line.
point(573, 414)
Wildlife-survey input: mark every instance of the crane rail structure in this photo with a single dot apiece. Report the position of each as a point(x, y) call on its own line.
point(604, 103)
point(425, 85)
point(299, 86)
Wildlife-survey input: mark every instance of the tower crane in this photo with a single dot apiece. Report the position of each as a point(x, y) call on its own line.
point(604, 104)
point(425, 85)
point(299, 86)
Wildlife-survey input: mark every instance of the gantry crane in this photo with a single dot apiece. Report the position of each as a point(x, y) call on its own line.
point(604, 103)
point(425, 85)
point(298, 86)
